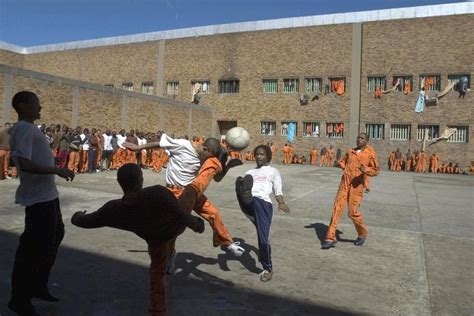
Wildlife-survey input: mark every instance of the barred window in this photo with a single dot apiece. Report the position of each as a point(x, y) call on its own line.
point(406, 83)
point(460, 136)
point(400, 131)
point(335, 130)
point(147, 87)
point(291, 85)
point(375, 131)
point(127, 86)
point(284, 128)
point(229, 86)
point(310, 129)
point(312, 85)
point(172, 87)
point(432, 82)
point(202, 87)
point(267, 128)
point(374, 82)
point(337, 85)
point(110, 85)
point(463, 82)
point(432, 130)
point(270, 85)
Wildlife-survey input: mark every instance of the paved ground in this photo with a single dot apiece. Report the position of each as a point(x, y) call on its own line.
point(418, 259)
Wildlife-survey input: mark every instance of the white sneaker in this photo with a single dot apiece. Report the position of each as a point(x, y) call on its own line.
point(171, 263)
point(8, 177)
point(265, 275)
point(235, 249)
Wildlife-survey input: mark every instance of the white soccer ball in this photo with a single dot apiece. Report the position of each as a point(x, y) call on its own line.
point(237, 138)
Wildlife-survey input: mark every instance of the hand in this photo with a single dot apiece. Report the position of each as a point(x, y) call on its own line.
point(198, 225)
point(284, 207)
point(130, 146)
point(77, 214)
point(362, 168)
point(65, 173)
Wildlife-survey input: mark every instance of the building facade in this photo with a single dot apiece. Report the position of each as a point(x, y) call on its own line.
point(320, 74)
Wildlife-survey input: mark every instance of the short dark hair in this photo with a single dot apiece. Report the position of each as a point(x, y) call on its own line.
point(129, 175)
point(212, 145)
point(267, 149)
point(23, 97)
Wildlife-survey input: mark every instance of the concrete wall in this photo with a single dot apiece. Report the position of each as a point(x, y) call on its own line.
point(74, 102)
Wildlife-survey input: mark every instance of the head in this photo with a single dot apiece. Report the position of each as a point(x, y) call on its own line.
point(27, 105)
point(130, 178)
point(263, 155)
point(210, 148)
point(362, 140)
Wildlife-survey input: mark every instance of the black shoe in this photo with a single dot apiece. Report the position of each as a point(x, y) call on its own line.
point(246, 189)
point(359, 241)
point(46, 296)
point(327, 244)
point(22, 309)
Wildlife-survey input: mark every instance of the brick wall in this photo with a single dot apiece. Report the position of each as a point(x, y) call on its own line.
point(101, 107)
point(397, 47)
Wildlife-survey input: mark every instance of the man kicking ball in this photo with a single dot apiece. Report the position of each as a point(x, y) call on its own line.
point(253, 193)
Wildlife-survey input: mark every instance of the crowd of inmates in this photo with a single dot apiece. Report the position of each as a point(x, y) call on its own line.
point(421, 161)
point(84, 150)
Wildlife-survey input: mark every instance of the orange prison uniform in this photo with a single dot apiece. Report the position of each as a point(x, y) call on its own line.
point(313, 157)
point(434, 163)
point(329, 157)
point(273, 149)
point(73, 163)
point(408, 162)
point(351, 189)
point(286, 151)
point(83, 161)
point(203, 206)
point(421, 165)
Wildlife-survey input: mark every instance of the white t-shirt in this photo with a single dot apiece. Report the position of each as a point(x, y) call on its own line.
point(28, 142)
point(85, 144)
point(183, 164)
point(141, 141)
point(120, 140)
point(265, 180)
point(107, 142)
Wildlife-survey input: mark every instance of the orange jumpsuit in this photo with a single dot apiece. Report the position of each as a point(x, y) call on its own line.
point(313, 157)
point(330, 157)
point(351, 188)
point(203, 206)
point(434, 163)
point(422, 160)
point(273, 149)
point(286, 154)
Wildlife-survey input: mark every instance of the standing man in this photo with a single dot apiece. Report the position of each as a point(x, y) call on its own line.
point(253, 194)
point(44, 228)
point(357, 164)
point(5, 153)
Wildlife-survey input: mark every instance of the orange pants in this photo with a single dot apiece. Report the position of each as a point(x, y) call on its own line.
point(158, 252)
point(84, 159)
point(352, 197)
point(408, 165)
point(73, 163)
point(5, 153)
point(204, 207)
point(144, 158)
point(131, 156)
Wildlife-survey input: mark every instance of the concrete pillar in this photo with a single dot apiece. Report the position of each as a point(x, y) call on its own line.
point(7, 96)
point(75, 106)
point(160, 75)
point(190, 122)
point(124, 122)
point(354, 116)
point(161, 117)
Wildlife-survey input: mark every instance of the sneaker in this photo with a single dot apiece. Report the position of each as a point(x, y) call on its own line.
point(171, 263)
point(235, 249)
point(245, 189)
point(359, 241)
point(8, 177)
point(327, 244)
point(265, 275)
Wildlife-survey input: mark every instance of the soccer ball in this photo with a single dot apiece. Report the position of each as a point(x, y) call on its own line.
point(237, 138)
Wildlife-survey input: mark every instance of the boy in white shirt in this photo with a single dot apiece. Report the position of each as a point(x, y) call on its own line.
point(253, 193)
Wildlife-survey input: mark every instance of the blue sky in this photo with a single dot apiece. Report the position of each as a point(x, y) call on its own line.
point(37, 22)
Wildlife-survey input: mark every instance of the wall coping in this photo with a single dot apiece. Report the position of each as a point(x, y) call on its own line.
point(261, 25)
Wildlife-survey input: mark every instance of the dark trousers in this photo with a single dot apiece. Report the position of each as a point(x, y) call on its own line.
point(61, 158)
point(91, 159)
point(36, 253)
point(260, 213)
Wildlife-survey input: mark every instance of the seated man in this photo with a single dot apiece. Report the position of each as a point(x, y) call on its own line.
point(152, 213)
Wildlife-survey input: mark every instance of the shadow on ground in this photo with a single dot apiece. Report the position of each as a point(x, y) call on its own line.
point(91, 284)
point(322, 229)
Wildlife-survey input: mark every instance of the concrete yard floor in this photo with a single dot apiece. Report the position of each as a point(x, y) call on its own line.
point(418, 258)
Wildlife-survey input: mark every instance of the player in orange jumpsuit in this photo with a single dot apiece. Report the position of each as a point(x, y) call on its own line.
point(313, 156)
point(357, 164)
